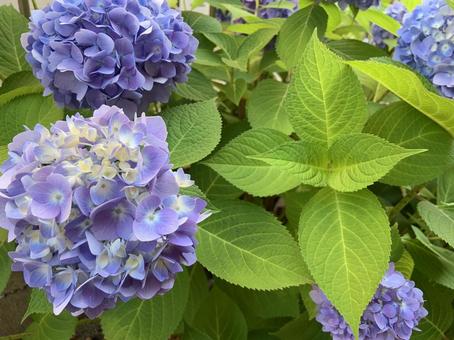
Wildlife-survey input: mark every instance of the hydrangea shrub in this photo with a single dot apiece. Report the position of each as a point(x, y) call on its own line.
point(282, 173)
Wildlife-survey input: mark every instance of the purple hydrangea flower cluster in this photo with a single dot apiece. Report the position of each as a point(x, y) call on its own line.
point(127, 53)
point(379, 35)
point(393, 313)
point(360, 4)
point(97, 211)
point(426, 44)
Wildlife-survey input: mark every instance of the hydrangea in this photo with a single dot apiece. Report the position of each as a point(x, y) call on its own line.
point(117, 52)
point(393, 313)
point(360, 4)
point(426, 44)
point(379, 35)
point(96, 210)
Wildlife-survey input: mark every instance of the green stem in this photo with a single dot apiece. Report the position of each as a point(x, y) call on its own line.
point(404, 201)
point(35, 4)
point(24, 8)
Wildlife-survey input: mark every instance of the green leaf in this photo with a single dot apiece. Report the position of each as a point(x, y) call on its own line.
point(194, 334)
point(440, 220)
point(28, 110)
point(212, 184)
point(153, 319)
point(297, 31)
point(256, 177)
point(436, 263)
point(309, 304)
point(445, 188)
point(207, 57)
point(345, 240)
point(194, 130)
point(325, 99)
point(381, 19)
point(195, 191)
point(302, 328)
point(359, 160)
point(19, 79)
point(294, 204)
point(198, 292)
point(265, 107)
point(3, 153)
point(38, 304)
point(235, 90)
point(350, 49)
point(409, 87)
point(201, 23)
point(12, 25)
point(197, 88)
point(51, 327)
point(219, 318)
point(251, 45)
point(346, 168)
point(405, 264)
point(5, 267)
point(245, 245)
point(224, 41)
point(403, 125)
point(253, 27)
point(265, 304)
point(438, 302)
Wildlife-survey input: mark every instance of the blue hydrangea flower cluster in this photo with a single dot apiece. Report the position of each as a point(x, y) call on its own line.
point(97, 211)
point(426, 44)
point(380, 36)
point(127, 53)
point(360, 4)
point(393, 313)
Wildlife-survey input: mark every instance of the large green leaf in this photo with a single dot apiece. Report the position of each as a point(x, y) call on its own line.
point(405, 265)
point(12, 25)
point(438, 302)
point(353, 161)
point(346, 242)
point(403, 125)
point(381, 19)
point(212, 184)
point(351, 49)
point(439, 219)
point(197, 88)
point(38, 304)
point(19, 79)
point(201, 23)
point(153, 319)
point(220, 318)
point(245, 245)
point(50, 327)
point(436, 263)
point(194, 131)
point(198, 292)
point(5, 267)
point(409, 87)
point(297, 31)
point(3, 153)
point(254, 176)
point(265, 107)
point(224, 41)
point(302, 328)
point(445, 188)
point(325, 99)
point(27, 110)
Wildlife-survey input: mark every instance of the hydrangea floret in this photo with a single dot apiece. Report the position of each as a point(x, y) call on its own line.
point(127, 53)
point(380, 36)
point(426, 44)
point(270, 12)
point(96, 210)
point(393, 313)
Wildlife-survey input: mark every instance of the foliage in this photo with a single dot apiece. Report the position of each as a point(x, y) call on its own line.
point(321, 159)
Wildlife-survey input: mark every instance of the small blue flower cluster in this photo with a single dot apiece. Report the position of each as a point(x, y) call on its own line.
point(127, 53)
point(393, 313)
point(426, 44)
point(360, 4)
point(97, 211)
point(380, 36)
